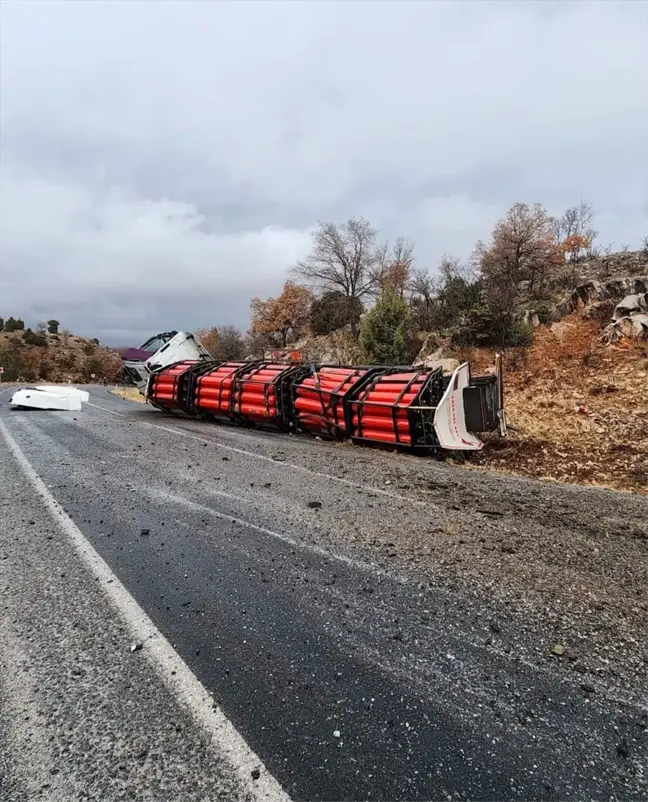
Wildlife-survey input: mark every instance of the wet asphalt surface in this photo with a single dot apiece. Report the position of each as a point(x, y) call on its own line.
point(347, 674)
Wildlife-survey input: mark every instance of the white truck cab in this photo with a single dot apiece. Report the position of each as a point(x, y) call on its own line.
point(159, 351)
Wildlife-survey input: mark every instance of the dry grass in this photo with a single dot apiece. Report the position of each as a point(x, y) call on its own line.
point(129, 393)
point(579, 409)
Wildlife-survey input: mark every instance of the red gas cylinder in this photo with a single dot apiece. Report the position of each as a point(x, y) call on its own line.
point(213, 391)
point(255, 393)
point(319, 399)
point(380, 412)
point(163, 387)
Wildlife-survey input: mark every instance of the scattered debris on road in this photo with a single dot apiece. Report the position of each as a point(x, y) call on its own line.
point(49, 397)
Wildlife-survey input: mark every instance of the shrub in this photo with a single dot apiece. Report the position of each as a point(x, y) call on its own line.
point(387, 332)
point(46, 369)
point(10, 369)
point(14, 324)
point(544, 313)
point(483, 327)
point(34, 338)
point(478, 327)
point(518, 334)
point(563, 281)
point(333, 311)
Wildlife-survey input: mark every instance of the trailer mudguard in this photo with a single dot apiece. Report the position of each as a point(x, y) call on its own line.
point(450, 416)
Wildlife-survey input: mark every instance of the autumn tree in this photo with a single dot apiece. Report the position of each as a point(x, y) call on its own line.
point(576, 234)
point(210, 338)
point(396, 266)
point(574, 246)
point(283, 318)
point(574, 230)
point(30, 364)
point(523, 248)
point(224, 343)
point(344, 257)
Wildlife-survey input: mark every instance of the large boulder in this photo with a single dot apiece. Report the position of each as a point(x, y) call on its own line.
point(447, 364)
point(634, 327)
point(593, 291)
point(631, 305)
point(432, 346)
point(530, 317)
point(601, 311)
point(338, 348)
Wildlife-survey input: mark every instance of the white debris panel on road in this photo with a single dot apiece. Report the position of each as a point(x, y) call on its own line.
point(49, 397)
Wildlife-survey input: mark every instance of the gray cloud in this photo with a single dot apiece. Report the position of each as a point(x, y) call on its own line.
point(162, 162)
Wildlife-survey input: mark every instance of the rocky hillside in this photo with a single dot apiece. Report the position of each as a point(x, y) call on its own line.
point(606, 266)
point(578, 407)
point(30, 357)
point(577, 398)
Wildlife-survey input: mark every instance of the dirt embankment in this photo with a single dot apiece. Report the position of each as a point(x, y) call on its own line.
point(578, 409)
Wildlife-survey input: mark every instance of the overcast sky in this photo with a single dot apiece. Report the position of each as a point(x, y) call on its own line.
point(162, 162)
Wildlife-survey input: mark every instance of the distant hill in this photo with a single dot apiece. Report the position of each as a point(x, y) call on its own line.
point(30, 356)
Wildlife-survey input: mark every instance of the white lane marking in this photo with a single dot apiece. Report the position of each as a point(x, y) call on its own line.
point(174, 672)
point(279, 463)
point(162, 495)
point(227, 495)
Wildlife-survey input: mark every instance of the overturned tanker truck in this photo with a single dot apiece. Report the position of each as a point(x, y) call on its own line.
point(412, 408)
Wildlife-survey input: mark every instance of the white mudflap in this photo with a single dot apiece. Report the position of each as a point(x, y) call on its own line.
point(450, 419)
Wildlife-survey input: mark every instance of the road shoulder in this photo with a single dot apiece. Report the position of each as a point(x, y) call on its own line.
point(84, 716)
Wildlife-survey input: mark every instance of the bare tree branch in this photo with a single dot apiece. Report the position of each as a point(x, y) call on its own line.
point(344, 257)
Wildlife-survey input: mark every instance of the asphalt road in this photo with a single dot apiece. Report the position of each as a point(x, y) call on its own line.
point(310, 590)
